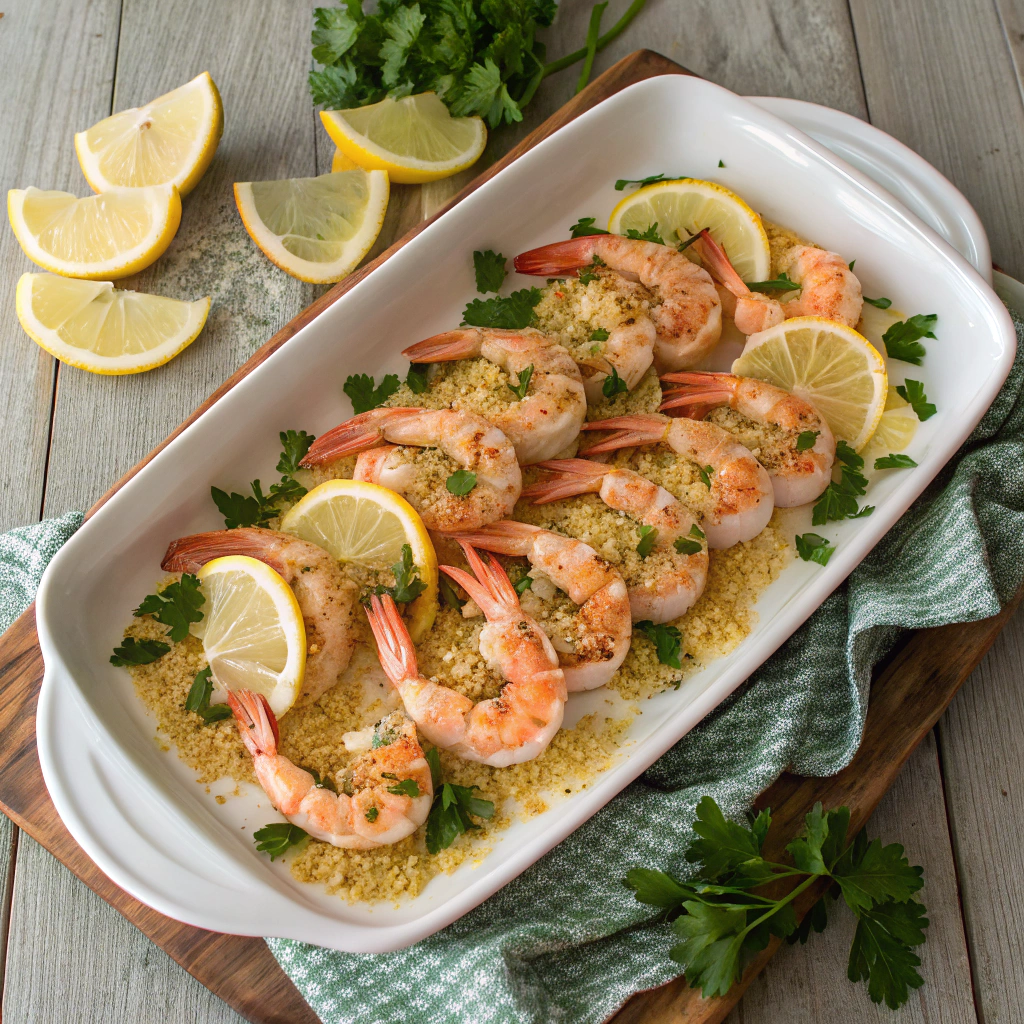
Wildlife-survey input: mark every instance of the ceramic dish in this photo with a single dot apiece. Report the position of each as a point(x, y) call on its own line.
point(137, 810)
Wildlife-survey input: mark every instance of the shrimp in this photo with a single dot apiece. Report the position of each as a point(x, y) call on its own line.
point(547, 419)
point(739, 489)
point(661, 596)
point(513, 727)
point(688, 321)
point(387, 791)
point(469, 440)
point(601, 629)
point(798, 475)
point(325, 596)
point(828, 288)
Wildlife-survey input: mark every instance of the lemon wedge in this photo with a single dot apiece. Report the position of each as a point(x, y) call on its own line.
point(414, 139)
point(316, 229)
point(340, 162)
point(90, 325)
point(252, 630)
point(169, 141)
point(368, 524)
point(836, 369)
point(110, 235)
point(896, 427)
point(684, 207)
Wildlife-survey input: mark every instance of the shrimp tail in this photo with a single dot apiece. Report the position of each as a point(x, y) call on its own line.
point(187, 554)
point(690, 408)
point(701, 391)
point(445, 347)
point(358, 434)
point(557, 258)
point(257, 724)
point(504, 538)
point(394, 645)
point(630, 432)
point(718, 263)
point(569, 477)
point(491, 588)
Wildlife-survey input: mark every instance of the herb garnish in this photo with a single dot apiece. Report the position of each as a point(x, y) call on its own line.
point(522, 585)
point(812, 547)
point(721, 163)
point(895, 461)
point(407, 587)
point(782, 283)
point(688, 546)
point(599, 334)
point(901, 339)
point(138, 652)
point(806, 439)
point(416, 378)
point(587, 274)
point(198, 699)
point(453, 808)
point(364, 395)
point(448, 594)
point(912, 391)
point(881, 303)
point(322, 781)
point(585, 226)
point(489, 267)
point(706, 473)
point(402, 787)
point(175, 606)
point(519, 390)
point(649, 180)
point(294, 445)
point(513, 312)
point(461, 482)
point(720, 916)
point(371, 814)
point(648, 538)
point(613, 385)
point(277, 837)
point(256, 509)
point(667, 640)
point(649, 234)
point(682, 246)
point(851, 263)
point(839, 499)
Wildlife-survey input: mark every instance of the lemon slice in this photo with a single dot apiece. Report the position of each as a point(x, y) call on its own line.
point(836, 369)
point(169, 141)
point(368, 524)
point(316, 229)
point(100, 237)
point(414, 139)
point(90, 325)
point(252, 630)
point(896, 428)
point(682, 208)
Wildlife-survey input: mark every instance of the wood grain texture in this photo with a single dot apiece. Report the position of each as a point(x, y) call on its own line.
point(939, 77)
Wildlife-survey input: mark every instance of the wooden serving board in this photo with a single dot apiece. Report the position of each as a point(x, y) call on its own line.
point(910, 691)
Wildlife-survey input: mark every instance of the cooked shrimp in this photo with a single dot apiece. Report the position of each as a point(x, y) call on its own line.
point(377, 805)
point(325, 596)
point(828, 288)
point(798, 476)
point(467, 439)
point(513, 727)
point(688, 319)
point(547, 419)
point(740, 490)
point(598, 639)
point(659, 596)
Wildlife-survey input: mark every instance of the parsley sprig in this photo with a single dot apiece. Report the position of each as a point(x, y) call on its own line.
point(667, 640)
point(489, 268)
point(613, 385)
point(724, 913)
point(277, 838)
point(407, 585)
point(586, 226)
point(649, 234)
point(901, 340)
point(365, 394)
point(512, 312)
point(198, 699)
point(839, 500)
point(895, 460)
point(138, 652)
point(177, 605)
point(453, 809)
point(812, 547)
point(649, 180)
point(912, 391)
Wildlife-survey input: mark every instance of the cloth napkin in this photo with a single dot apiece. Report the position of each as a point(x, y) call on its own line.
point(565, 941)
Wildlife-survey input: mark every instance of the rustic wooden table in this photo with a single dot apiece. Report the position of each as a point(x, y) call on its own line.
point(945, 79)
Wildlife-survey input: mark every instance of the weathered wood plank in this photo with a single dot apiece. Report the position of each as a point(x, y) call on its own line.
point(808, 983)
point(941, 79)
point(58, 69)
point(981, 756)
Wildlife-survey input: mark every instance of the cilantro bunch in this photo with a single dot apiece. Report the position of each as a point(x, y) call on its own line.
point(481, 57)
point(733, 907)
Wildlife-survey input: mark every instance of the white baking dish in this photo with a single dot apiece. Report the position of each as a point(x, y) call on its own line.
point(137, 810)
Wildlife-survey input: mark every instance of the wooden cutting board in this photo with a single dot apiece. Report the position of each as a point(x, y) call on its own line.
point(910, 692)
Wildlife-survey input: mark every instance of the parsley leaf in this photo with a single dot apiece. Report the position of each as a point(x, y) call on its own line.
point(685, 546)
point(277, 837)
point(912, 391)
point(364, 395)
point(198, 699)
point(881, 303)
point(851, 263)
point(648, 538)
point(839, 499)
point(513, 312)
point(696, 531)
point(721, 163)
point(175, 606)
point(649, 234)
point(613, 385)
point(448, 594)
point(323, 782)
point(335, 31)
point(782, 283)
point(402, 787)
point(461, 482)
point(138, 652)
point(812, 547)
point(668, 641)
point(519, 390)
point(522, 585)
point(881, 952)
point(806, 439)
point(489, 267)
point(256, 509)
point(294, 444)
point(649, 180)
point(407, 587)
point(901, 339)
point(706, 473)
point(585, 226)
point(371, 814)
point(894, 460)
point(599, 334)
point(453, 809)
point(416, 378)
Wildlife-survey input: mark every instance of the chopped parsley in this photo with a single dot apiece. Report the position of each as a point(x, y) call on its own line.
point(519, 390)
point(522, 585)
point(839, 499)
point(402, 787)
point(895, 461)
point(138, 652)
point(198, 699)
point(881, 303)
point(721, 163)
point(912, 391)
point(364, 395)
point(321, 781)
point(277, 838)
point(706, 473)
point(585, 226)
point(806, 439)
point(513, 312)
point(901, 339)
point(782, 283)
point(489, 267)
point(649, 180)
point(453, 809)
point(667, 640)
point(851, 263)
point(177, 605)
point(371, 814)
point(689, 545)
point(814, 548)
point(613, 385)
point(461, 482)
point(599, 334)
point(648, 538)
point(649, 234)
